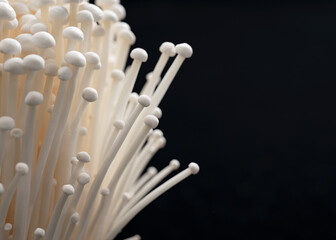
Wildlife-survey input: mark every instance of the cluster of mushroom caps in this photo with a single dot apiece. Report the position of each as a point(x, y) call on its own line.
point(75, 140)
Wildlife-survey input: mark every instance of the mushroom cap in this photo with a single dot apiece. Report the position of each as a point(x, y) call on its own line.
point(194, 168)
point(83, 157)
point(110, 16)
point(51, 68)
point(42, 3)
point(73, 33)
point(26, 19)
point(59, 14)
point(127, 35)
point(92, 58)
point(43, 40)
point(64, 73)
point(151, 121)
point(75, 58)
point(26, 41)
point(83, 178)
point(90, 94)
point(68, 189)
point(39, 232)
point(117, 74)
point(33, 62)
point(75, 218)
point(72, 1)
point(7, 13)
point(184, 50)
point(139, 54)
point(38, 27)
point(144, 100)
point(10, 46)
point(119, 10)
point(6, 123)
point(84, 16)
point(33, 98)
point(22, 168)
point(168, 48)
point(97, 13)
point(20, 8)
point(14, 65)
point(118, 26)
point(106, 3)
point(16, 133)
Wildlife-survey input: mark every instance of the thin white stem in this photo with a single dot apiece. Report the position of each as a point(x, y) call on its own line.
point(73, 221)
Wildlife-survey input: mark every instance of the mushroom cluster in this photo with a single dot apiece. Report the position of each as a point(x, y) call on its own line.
point(75, 140)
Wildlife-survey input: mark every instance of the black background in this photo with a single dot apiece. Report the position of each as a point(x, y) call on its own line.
point(255, 107)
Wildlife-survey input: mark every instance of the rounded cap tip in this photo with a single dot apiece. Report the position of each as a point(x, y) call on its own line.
point(68, 189)
point(43, 40)
point(16, 133)
point(92, 58)
point(152, 171)
point(75, 58)
point(11, 24)
point(6, 123)
point(83, 131)
point(184, 50)
point(75, 218)
point(105, 192)
point(74, 161)
point(22, 168)
point(117, 74)
point(64, 73)
point(89, 94)
point(127, 35)
point(2, 189)
point(6, 12)
point(144, 100)
point(73, 33)
point(84, 16)
point(139, 54)
point(14, 65)
point(51, 68)
point(33, 62)
point(8, 227)
point(83, 157)
point(119, 124)
point(157, 112)
point(39, 232)
point(194, 168)
point(110, 16)
point(168, 48)
point(151, 121)
point(59, 13)
point(34, 98)
point(97, 13)
point(174, 164)
point(38, 27)
point(83, 178)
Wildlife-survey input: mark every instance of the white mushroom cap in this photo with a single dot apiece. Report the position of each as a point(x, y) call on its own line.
point(97, 13)
point(144, 100)
point(26, 19)
point(10, 46)
point(50, 53)
point(75, 218)
point(168, 48)
point(14, 65)
point(11, 24)
point(84, 16)
point(151, 121)
point(59, 14)
point(194, 168)
point(7, 13)
point(184, 50)
point(33, 98)
point(106, 3)
point(118, 26)
point(119, 10)
point(117, 74)
point(73, 33)
point(64, 73)
point(42, 3)
point(20, 8)
point(38, 27)
point(90, 94)
point(68, 189)
point(110, 16)
point(26, 41)
point(75, 58)
point(39, 232)
point(43, 40)
point(33, 62)
point(72, 1)
point(92, 58)
point(139, 54)
point(51, 68)
point(16, 133)
point(6, 123)
point(127, 35)
point(83, 157)
point(22, 168)
point(83, 178)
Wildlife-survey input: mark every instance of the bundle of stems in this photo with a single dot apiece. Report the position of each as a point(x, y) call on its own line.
point(75, 140)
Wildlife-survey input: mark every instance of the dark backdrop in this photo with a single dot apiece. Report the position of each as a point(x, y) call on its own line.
point(255, 107)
